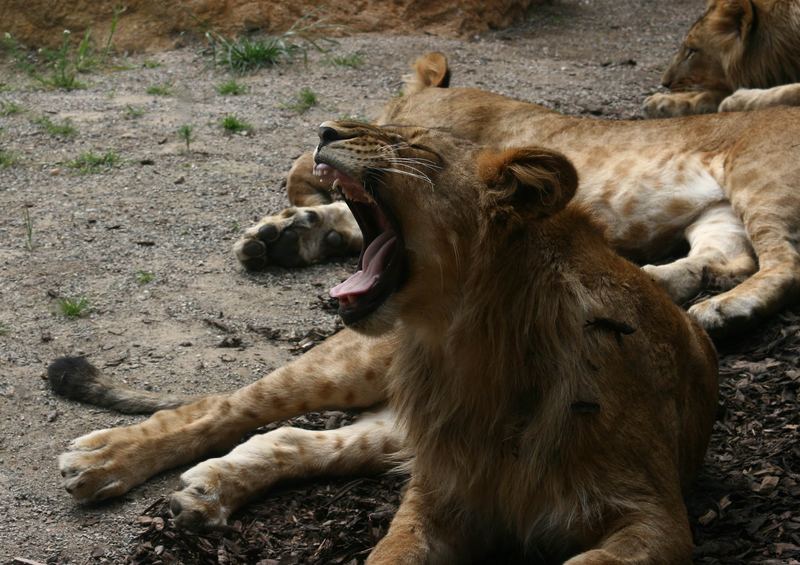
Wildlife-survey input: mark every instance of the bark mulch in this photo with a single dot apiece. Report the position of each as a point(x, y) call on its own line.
point(745, 507)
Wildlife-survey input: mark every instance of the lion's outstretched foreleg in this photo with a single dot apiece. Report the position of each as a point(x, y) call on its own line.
point(346, 371)
point(215, 488)
point(746, 99)
point(689, 103)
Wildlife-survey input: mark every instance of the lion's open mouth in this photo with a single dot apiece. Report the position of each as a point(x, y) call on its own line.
point(382, 265)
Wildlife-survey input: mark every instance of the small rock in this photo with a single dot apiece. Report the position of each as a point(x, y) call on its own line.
point(230, 341)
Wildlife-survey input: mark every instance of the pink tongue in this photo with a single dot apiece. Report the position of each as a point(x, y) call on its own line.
point(372, 265)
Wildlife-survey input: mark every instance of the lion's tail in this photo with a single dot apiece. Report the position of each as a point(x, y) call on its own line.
point(430, 71)
point(77, 379)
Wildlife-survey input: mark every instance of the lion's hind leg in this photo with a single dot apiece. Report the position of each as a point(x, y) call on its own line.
point(215, 488)
point(765, 195)
point(720, 256)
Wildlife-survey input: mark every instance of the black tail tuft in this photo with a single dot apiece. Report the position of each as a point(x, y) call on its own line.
point(73, 377)
point(77, 379)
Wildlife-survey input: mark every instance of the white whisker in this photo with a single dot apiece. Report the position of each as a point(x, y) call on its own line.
point(415, 161)
point(415, 173)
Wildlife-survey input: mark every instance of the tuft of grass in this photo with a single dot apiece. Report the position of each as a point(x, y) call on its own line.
point(7, 159)
point(90, 162)
point(73, 307)
point(151, 64)
point(26, 215)
point(232, 124)
point(245, 55)
point(133, 112)
point(66, 65)
point(304, 100)
point(185, 133)
point(4, 329)
point(22, 58)
point(8, 108)
point(64, 129)
point(117, 11)
point(354, 60)
point(159, 90)
point(231, 88)
point(59, 68)
point(144, 277)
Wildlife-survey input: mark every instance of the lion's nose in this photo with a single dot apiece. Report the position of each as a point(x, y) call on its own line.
point(328, 134)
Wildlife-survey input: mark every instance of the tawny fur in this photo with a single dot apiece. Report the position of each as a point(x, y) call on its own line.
point(347, 371)
point(751, 45)
point(726, 184)
point(551, 392)
point(495, 352)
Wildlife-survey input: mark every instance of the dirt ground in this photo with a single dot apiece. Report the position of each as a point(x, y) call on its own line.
point(175, 214)
point(152, 25)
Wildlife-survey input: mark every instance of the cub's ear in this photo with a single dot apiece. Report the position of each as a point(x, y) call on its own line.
point(530, 182)
point(732, 18)
point(430, 71)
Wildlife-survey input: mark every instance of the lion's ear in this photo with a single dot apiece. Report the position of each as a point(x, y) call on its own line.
point(526, 182)
point(733, 18)
point(430, 71)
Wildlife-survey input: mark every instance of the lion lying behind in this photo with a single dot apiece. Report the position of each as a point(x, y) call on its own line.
point(751, 47)
point(551, 394)
point(728, 185)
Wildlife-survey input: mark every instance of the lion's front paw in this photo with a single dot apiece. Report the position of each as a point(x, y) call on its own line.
point(721, 315)
point(660, 106)
point(299, 236)
point(741, 100)
point(200, 502)
point(99, 465)
point(675, 104)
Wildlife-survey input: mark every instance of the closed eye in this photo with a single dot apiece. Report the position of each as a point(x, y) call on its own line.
point(419, 147)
